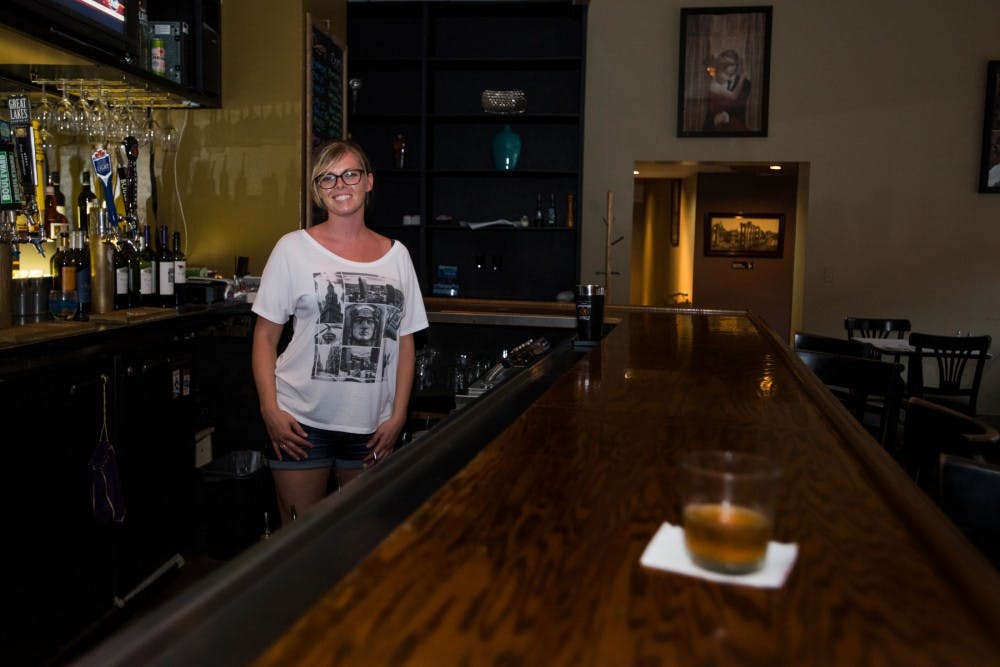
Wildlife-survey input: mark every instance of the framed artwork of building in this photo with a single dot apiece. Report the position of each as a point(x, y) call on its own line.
point(725, 63)
point(744, 235)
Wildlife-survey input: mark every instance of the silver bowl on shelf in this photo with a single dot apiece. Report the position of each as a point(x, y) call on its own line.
point(504, 101)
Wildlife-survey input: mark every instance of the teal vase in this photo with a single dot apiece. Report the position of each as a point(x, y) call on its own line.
point(506, 148)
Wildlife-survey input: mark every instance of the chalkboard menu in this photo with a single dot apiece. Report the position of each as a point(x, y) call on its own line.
point(327, 86)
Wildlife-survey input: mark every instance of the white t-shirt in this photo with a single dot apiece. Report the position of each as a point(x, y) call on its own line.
point(339, 370)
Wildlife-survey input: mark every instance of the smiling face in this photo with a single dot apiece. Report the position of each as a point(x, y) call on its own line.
point(343, 199)
point(334, 158)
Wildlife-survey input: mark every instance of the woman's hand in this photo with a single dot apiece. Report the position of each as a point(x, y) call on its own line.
point(384, 439)
point(287, 435)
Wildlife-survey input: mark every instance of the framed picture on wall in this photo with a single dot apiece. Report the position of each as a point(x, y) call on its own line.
point(744, 235)
point(725, 64)
point(989, 171)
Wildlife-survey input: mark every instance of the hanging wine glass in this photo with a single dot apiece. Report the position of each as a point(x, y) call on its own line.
point(129, 125)
point(148, 134)
point(168, 137)
point(100, 118)
point(65, 114)
point(45, 113)
point(83, 120)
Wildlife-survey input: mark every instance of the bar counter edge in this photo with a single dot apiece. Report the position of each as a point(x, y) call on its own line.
point(236, 612)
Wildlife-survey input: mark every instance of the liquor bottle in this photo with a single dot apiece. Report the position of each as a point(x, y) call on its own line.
point(55, 264)
point(180, 266)
point(120, 260)
point(539, 211)
point(85, 200)
point(550, 212)
point(147, 270)
point(81, 258)
point(165, 271)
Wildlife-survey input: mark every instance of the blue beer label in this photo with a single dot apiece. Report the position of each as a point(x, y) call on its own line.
point(20, 109)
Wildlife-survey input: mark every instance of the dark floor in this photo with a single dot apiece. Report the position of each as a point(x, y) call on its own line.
point(174, 582)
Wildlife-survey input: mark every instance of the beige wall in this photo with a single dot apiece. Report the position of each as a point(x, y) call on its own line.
point(883, 100)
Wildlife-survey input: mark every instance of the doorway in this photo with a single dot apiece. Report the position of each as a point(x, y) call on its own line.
point(669, 265)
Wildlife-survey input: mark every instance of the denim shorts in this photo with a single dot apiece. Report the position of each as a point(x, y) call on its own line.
point(329, 448)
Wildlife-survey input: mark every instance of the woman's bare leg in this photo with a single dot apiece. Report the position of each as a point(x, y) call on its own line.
point(300, 489)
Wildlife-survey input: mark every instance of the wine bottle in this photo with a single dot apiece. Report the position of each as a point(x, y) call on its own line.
point(131, 247)
point(85, 199)
point(82, 261)
point(55, 264)
point(54, 181)
point(55, 222)
point(67, 265)
point(550, 213)
point(165, 271)
point(147, 270)
point(120, 262)
point(539, 211)
point(180, 267)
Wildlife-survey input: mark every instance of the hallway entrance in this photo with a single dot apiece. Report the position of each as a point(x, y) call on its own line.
point(672, 202)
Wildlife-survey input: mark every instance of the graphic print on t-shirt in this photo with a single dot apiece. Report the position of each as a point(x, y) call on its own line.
point(358, 324)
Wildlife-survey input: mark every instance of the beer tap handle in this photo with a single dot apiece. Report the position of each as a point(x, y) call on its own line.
point(102, 167)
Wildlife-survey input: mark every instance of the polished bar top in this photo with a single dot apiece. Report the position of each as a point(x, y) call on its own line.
point(530, 554)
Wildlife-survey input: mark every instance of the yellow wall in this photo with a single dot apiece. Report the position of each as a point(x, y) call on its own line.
point(240, 168)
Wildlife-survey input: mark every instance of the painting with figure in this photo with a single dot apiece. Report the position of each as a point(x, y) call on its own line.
point(724, 66)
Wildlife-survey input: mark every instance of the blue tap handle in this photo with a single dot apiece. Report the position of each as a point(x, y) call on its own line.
point(102, 167)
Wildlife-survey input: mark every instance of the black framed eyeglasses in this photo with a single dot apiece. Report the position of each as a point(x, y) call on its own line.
point(328, 181)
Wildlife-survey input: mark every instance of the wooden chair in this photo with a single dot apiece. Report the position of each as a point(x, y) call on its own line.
point(931, 430)
point(831, 345)
point(969, 493)
point(871, 390)
point(953, 355)
point(874, 327)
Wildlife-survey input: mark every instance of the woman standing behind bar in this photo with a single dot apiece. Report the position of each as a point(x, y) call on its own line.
point(337, 396)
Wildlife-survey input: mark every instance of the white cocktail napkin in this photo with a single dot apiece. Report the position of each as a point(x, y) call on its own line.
point(666, 551)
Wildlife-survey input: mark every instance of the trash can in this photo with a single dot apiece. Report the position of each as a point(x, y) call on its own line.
point(237, 493)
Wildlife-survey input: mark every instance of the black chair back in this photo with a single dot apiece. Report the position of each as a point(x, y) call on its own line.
point(819, 343)
point(875, 327)
point(931, 429)
point(970, 496)
point(865, 387)
point(954, 355)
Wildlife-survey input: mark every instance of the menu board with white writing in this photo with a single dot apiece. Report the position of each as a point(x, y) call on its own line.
point(326, 86)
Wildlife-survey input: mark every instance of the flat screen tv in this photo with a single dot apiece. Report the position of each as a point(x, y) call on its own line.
point(107, 26)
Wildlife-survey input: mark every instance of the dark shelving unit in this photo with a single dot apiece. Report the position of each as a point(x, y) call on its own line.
point(423, 67)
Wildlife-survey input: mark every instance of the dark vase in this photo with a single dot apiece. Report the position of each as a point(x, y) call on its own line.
point(506, 148)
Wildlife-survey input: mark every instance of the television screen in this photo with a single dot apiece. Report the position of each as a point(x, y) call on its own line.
point(109, 14)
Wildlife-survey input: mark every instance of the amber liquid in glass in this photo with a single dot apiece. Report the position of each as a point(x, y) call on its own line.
point(726, 538)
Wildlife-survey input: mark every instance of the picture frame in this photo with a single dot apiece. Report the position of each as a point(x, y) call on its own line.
point(724, 77)
point(744, 235)
point(989, 170)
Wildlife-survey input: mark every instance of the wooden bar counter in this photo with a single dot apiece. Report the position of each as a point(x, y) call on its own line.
point(529, 555)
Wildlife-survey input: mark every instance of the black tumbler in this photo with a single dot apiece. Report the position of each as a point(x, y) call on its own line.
point(589, 312)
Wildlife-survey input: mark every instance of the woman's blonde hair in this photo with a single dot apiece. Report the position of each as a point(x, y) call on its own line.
point(330, 152)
